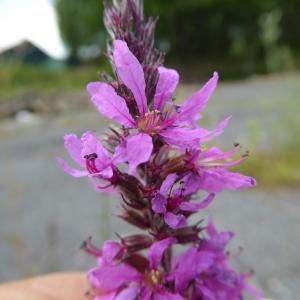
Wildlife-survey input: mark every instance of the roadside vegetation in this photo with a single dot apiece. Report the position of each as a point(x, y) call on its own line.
point(16, 79)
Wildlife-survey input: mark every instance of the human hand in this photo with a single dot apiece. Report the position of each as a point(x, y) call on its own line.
point(60, 286)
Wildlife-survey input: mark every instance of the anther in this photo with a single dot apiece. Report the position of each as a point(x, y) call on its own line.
point(92, 156)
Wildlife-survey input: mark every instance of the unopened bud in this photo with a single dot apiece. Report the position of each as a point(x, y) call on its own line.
point(188, 234)
point(138, 261)
point(134, 218)
point(136, 243)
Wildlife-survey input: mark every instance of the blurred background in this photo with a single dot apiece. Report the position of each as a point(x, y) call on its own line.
point(50, 50)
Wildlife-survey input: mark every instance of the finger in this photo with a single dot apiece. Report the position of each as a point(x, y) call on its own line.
point(61, 286)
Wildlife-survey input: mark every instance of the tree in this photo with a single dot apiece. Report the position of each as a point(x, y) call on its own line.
point(193, 30)
point(81, 24)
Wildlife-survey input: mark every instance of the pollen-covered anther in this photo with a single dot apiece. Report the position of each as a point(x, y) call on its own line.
point(154, 278)
point(151, 122)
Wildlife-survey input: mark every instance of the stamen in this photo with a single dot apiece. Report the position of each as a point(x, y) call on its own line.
point(151, 122)
point(154, 278)
point(89, 248)
point(104, 187)
point(91, 163)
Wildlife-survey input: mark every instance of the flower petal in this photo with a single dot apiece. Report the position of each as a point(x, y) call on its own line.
point(167, 296)
point(183, 137)
point(159, 204)
point(106, 173)
point(110, 296)
point(120, 154)
point(216, 154)
point(186, 269)
point(175, 221)
point(191, 108)
point(110, 250)
point(168, 183)
point(73, 172)
point(157, 250)
point(215, 132)
point(91, 144)
point(191, 184)
point(167, 83)
point(189, 206)
point(253, 291)
point(204, 260)
point(211, 228)
point(108, 278)
point(130, 71)
point(138, 150)
point(217, 240)
point(191, 263)
point(217, 179)
point(74, 146)
point(128, 294)
point(109, 103)
point(206, 292)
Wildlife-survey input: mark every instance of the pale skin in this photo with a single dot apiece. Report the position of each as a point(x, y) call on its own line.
point(59, 286)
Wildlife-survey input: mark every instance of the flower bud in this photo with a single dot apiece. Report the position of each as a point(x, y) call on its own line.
point(187, 235)
point(137, 242)
point(134, 218)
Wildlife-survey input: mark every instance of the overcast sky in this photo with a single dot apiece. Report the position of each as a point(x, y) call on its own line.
point(33, 20)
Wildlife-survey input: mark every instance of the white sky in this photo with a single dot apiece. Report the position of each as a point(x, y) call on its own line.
point(33, 20)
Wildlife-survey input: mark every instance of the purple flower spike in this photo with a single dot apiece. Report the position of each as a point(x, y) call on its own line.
point(156, 159)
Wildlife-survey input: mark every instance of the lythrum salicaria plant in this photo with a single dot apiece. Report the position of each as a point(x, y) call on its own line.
point(157, 160)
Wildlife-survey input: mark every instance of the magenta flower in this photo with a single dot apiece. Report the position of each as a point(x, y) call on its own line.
point(176, 126)
point(206, 269)
point(173, 203)
point(210, 170)
point(120, 281)
point(90, 155)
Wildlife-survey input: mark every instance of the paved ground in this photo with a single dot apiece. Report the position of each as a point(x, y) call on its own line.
point(44, 214)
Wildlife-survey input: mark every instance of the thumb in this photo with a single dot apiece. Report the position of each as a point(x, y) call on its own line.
point(61, 286)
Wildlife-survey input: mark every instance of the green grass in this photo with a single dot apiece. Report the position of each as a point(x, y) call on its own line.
point(280, 165)
point(16, 79)
point(280, 169)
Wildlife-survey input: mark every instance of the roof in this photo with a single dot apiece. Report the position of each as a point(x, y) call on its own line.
point(25, 52)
